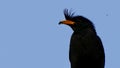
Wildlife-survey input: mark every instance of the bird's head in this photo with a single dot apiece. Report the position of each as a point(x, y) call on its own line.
point(77, 23)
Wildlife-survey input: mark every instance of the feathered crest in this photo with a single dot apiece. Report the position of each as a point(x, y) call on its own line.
point(68, 14)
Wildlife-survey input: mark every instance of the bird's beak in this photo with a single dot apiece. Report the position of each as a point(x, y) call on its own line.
point(67, 22)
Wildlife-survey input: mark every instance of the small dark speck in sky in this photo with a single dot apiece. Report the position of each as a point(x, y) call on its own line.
point(106, 14)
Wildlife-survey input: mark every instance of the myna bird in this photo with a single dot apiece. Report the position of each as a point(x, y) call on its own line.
point(86, 48)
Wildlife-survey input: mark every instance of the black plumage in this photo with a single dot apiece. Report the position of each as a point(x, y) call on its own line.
point(86, 48)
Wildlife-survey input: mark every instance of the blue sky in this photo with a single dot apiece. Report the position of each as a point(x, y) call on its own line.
point(30, 36)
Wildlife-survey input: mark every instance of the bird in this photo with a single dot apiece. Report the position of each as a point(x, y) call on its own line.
point(86, 48)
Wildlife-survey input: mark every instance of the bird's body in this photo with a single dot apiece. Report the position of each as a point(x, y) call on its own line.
point(86, 49)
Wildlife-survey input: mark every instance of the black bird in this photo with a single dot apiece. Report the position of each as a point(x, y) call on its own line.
point(86, 48)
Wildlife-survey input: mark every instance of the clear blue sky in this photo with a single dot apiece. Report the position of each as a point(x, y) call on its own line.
point(30, 36)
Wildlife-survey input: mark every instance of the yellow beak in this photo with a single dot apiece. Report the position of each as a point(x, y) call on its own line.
point(67, 22)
